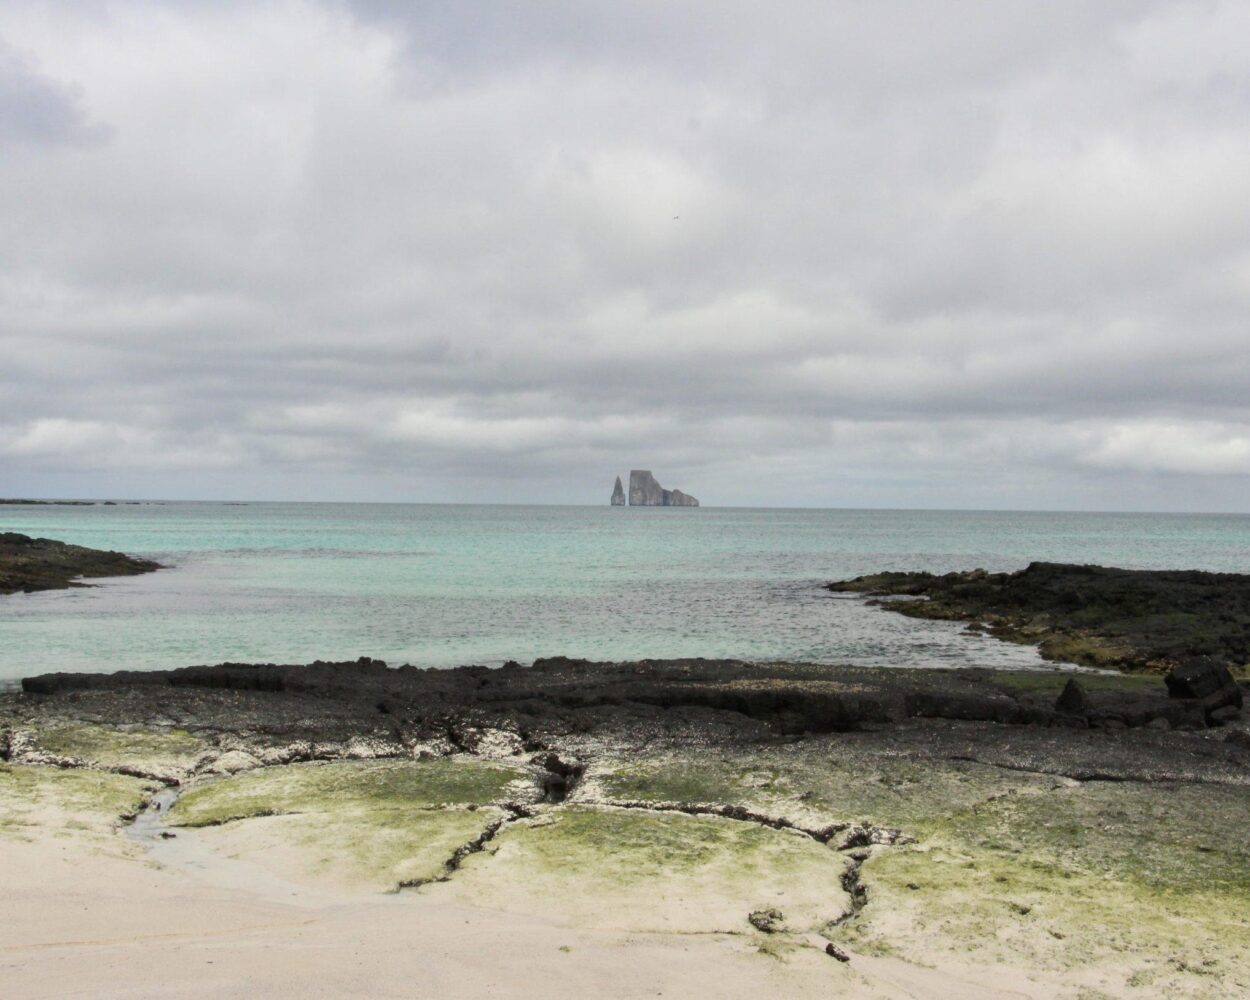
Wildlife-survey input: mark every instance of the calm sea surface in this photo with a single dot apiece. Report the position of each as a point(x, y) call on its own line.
point(446, 585)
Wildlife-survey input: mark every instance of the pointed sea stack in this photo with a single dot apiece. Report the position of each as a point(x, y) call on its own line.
point(644, 491)
point(618, 494)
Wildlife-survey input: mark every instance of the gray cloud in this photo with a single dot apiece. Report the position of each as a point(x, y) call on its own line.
point(989, 255)
point(35, 109)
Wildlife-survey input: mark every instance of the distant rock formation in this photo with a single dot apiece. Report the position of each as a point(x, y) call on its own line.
point(52, 503)
point(644, 491)
point(618, 494)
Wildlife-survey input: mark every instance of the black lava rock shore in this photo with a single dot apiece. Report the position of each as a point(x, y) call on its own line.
point(29, 564)
point(1133, 620)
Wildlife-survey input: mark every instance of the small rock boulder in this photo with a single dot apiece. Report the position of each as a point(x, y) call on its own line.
point(1205, 680)
point(231, 762)
point(1072, 699)
point(769, 921)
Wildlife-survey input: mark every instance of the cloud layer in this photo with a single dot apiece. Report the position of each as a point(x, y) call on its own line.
point(908, 254)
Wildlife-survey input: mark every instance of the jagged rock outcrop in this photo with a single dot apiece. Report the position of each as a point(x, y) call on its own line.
point(336, 702)
point(1098, 616)
point(645, 491)
point(618, 494)
point(29, 564)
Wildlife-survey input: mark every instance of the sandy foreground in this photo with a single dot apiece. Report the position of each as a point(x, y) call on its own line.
point(281, 906)
point(469, 834)
point(87, 915)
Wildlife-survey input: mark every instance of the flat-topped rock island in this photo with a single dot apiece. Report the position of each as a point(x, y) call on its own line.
point(645, 491)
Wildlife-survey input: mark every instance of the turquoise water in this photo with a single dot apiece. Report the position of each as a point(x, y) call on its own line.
point(445, 585)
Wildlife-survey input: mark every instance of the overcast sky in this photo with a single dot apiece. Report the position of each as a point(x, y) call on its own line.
point(977, 254)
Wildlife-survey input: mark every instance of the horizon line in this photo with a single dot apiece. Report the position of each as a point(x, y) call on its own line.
point(99, 501)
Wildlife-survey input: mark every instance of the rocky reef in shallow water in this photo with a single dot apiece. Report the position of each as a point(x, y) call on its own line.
point(645, 491)
point(29, 564)
point(1138, 620)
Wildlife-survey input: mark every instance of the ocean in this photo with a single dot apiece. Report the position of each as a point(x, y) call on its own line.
point(443, 585)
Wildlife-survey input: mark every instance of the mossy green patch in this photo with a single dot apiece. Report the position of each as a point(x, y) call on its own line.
point(375, 848)
point(1149, 883)
point(1052, 682)
point(114, 746)
point(371, 824)
point(37, 798)
point(815, 783)
point(1087, 650)
point(371, 784)
point(655, 871)
point(1173, 837)
point(694, 778)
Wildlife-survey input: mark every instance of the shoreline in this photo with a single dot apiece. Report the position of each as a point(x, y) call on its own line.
point(686, 827)
point(30, 565)
point(1138, 621)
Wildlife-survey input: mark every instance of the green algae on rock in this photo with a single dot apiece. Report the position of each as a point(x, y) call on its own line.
point(371, 824)
point(1144, 620)
point(113, 747)
point(652, 871)
point(1097, 859)
point(35, 798)
point(1113, 880)
point(812, 783)
point(370, 785)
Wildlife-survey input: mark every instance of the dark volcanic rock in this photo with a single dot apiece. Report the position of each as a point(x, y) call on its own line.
point(1203, 677)
point(644, 490)
point(561, 713)
point(784, 699)
point(970, 705)
point(1208, 683)
point(1147, 620)
point(10, 502)
point(1072, 699)
point(769, 921)
point(29, 564)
